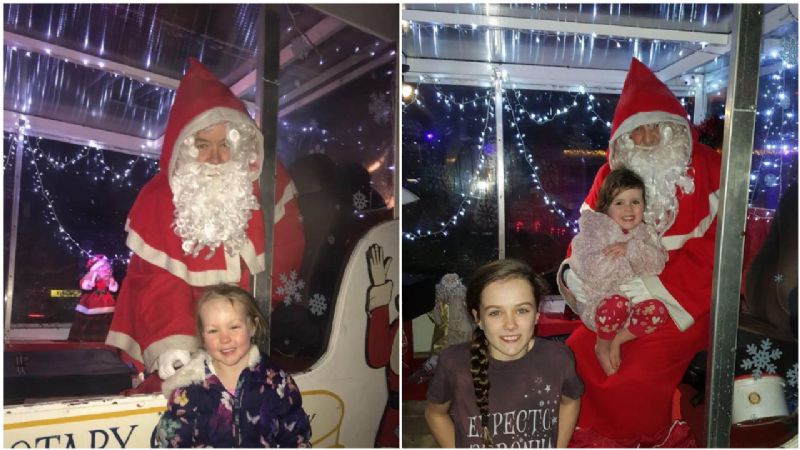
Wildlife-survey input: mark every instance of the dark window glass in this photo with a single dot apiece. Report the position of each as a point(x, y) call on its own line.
point(339, 151)
point(73, 202)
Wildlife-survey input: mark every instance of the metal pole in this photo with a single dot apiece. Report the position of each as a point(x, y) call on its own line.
point(19, 151)
point(397, 175)
point(736, 154)
point(500, 165)
point(267, 66)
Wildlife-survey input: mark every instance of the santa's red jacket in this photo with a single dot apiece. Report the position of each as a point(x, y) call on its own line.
point(634, 406)
point(155, 306)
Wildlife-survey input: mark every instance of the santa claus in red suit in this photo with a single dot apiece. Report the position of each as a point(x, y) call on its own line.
point(651, 135)
point(197, 223)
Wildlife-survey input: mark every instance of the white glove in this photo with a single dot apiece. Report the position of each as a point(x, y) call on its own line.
point(575, 285)
point(170, 361)
point(636, 290)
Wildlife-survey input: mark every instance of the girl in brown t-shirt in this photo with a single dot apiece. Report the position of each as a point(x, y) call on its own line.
point(505, 388)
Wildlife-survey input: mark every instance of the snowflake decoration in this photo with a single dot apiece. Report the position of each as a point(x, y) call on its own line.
point(761, 358)
point(791, 376)
point(778, 278)
point(290, 288)
point(317, 304)
point(360, 201)
point(379, 108)
point(486, 215)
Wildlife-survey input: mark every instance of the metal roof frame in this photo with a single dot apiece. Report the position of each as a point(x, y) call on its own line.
point(81, 135)
point(470, 73)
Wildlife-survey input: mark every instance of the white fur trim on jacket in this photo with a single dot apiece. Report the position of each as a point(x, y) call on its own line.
point(231, 274)
point(289, 193)
point(195, 370)
point(93, 311)
point(676, 241)
point(683, 320)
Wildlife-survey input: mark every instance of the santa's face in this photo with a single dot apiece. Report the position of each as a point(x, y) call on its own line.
point(212, 145)
point(627, 208)
point(227, 333)
point(646, 135)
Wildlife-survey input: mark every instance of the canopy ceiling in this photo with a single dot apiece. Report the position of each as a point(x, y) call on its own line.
point(106, 74)
point(563, 46)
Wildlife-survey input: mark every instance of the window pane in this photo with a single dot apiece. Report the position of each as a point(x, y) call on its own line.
point(73, 201)
point(339, 151)
point(449, 164)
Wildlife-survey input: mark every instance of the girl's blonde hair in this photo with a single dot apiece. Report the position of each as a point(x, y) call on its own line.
point(236, 296)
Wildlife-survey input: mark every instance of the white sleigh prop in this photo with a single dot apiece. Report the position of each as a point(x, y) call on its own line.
point(342, 395)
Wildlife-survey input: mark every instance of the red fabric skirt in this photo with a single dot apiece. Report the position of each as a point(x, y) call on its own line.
point(634, 406)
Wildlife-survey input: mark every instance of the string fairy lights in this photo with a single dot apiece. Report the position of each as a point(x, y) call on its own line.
point(102, 172)
point(776, 125)
point(516, 111)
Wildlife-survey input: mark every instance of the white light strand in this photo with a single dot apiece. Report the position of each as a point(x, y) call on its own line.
point(779, 121)
point(50, 216)
point(521, 148)
point(466, 199)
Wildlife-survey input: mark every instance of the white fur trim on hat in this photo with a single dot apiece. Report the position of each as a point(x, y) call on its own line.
point(210, 118)
point(639, 119)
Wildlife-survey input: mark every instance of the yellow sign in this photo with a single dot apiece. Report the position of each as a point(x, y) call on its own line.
point(65, 293)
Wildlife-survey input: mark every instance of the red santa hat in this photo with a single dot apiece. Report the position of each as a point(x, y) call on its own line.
point(95, 259)
point(644, 100)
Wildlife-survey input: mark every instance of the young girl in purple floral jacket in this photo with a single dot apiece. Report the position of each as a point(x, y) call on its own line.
point(229, 394)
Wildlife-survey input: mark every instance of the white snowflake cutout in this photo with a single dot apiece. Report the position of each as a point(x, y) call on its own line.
point(318, 304)
point(290, 288)
point(761, 358)
point(791, 376)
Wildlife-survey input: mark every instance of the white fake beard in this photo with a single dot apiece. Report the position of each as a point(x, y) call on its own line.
point(662, 167)
point(212, 206)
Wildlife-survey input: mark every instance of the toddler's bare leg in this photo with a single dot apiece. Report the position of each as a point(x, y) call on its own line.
point(615, 355)
point(603, 352)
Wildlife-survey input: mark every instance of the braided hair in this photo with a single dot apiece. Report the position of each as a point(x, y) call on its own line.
point(502, 270)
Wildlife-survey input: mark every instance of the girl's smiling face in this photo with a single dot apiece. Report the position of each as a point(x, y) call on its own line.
point(508, 315)
point(226, 332)
point(627, 208)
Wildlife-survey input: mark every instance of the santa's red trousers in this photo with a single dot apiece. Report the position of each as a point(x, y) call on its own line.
point(635, 403)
